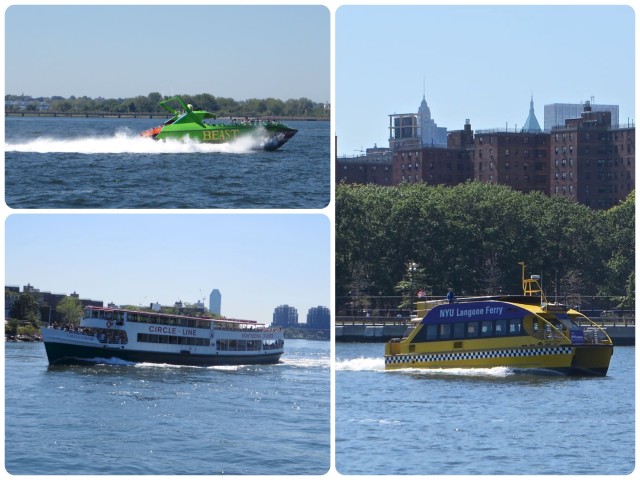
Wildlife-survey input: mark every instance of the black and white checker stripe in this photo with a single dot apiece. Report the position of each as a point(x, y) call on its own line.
point(478, 354)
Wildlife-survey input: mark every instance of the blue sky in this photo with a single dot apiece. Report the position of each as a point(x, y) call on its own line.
point(257, 261)
point(114, 51)
point(477, 62)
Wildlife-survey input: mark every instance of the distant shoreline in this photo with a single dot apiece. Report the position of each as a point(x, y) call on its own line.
point(149, 115)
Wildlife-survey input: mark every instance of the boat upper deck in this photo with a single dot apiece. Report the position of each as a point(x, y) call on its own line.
point(120, 316)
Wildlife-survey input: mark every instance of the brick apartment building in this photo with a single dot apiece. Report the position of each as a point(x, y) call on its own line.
point(591, 162)
point(588, 159)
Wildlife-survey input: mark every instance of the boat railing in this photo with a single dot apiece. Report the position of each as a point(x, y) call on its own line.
point(593, 333)
point(549, 332)
point(424, 306)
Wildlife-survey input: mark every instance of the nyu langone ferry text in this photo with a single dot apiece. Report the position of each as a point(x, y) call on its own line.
point(518, 331)
point(140, 336)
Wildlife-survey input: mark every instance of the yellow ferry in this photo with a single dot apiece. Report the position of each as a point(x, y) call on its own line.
point(516, 331)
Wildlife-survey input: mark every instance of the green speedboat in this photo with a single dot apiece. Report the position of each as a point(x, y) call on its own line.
point(189, 122)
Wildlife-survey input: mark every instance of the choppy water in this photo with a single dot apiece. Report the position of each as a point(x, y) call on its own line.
point(103, 163)
point(481, 421)
point(161, 419)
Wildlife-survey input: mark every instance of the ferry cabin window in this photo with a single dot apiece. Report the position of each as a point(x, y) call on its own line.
point(458, 329)
point(486, 329)
point(472, 329)
point(239, 345)
point(173, 339)
point(445, 331)
point(432, 332)
point(515, 326)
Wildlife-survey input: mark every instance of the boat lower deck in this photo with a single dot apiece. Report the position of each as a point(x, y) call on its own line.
point(70, 354)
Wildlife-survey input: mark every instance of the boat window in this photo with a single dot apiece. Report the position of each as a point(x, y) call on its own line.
point(487, 328)
point(173, 339)
point(432, 332)
point(535, 326)
point(458, 330)
point(472, 329)
point(445, 331)
point(501, 328)
point(515, 326)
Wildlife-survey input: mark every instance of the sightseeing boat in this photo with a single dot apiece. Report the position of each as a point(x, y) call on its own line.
point(523, 332)
point(141, 336)
point(189, 123)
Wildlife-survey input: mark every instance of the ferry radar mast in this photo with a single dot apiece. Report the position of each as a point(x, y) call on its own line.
point(532, 286)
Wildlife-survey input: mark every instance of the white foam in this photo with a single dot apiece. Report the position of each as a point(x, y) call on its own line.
point(361, 364)
point(127, 142)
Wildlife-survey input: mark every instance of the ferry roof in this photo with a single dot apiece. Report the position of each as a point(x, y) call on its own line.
point(226, 320)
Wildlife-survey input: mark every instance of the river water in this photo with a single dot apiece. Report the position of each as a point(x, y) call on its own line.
point(486, 421)
point(168, 420)
point(103, 163)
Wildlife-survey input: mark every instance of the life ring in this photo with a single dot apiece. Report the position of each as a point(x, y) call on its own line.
point(109, 323)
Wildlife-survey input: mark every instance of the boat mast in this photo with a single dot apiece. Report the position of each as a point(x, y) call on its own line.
point(532, 286)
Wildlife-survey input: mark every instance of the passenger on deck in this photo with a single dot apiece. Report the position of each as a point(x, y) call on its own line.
point(451, 296)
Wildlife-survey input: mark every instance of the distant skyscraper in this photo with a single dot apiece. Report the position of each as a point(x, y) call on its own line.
point(319, 318)
point(215, 301)
point(556, 113)
point(285, 316)
point(432, 135)
point(531, 125)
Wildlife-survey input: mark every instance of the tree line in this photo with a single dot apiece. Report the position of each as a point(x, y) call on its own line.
point(220, 106)
point(394, 241)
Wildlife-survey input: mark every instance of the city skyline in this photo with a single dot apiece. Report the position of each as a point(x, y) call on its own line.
point(302, 315)
point(168, 49)
point(259, 261)
point(482, 63)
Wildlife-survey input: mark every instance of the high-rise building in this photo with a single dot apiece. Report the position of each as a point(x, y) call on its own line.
point(555, 114)
point(215, 301)
point(432, 134)
point(319, 318)
point(592, 162)
point(285, 316)
point(416, 130)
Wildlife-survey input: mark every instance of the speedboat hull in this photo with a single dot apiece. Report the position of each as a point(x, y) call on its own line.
point(189, 123)
point(267, 137)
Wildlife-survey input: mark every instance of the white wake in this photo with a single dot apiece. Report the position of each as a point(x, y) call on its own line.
point(124, 142)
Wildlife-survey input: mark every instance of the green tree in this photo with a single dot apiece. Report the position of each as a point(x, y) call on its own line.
point(472, 236)
point(26, 309)
point(70, 309)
